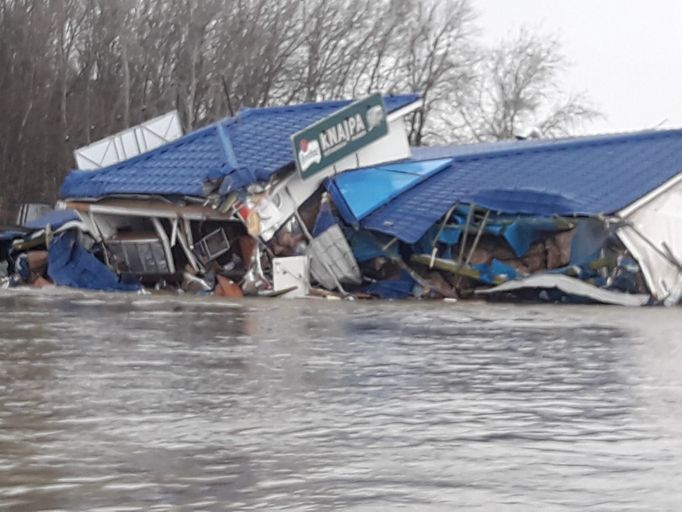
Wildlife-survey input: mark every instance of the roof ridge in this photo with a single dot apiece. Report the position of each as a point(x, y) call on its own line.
point(228, 148)
point(570, 143)
point(252, 111)
point(568, 138)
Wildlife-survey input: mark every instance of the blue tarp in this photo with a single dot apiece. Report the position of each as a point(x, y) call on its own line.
point(392, 288)
point(367, 246)
point(496, 269)
point(6, 236)
point(363, 191)
point(589, 239)
point(69, 264)
point(325, 219)
point(522, 232)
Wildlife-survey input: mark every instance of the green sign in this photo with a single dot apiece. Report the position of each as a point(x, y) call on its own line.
point(344, 132)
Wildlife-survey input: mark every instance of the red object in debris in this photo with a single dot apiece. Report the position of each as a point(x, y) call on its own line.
point(227, 288)
point(243, 211)
point(247, 246)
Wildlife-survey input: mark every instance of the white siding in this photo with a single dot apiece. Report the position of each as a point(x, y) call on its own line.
point(659, 220)
point(293, 190)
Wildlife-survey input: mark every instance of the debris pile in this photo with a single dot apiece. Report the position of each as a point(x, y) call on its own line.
point(208, 214)
point(471, 252)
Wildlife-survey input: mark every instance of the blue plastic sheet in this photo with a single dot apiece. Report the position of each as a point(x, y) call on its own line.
point(325, 219)
point(590, 236)
point(364, 190)
point(521, 233)
point(7, 236)
point(392, 289)
point(450, 235)
point(367, 246)
point(496, 269)
point(69, 264)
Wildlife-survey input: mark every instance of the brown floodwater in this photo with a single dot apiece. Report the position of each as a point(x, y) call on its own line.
point(127, 402)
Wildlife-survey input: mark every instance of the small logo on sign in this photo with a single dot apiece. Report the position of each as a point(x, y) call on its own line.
point(375, 115)
point(309, 153)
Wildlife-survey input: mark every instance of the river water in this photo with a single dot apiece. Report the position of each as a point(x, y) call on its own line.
point(124, 402)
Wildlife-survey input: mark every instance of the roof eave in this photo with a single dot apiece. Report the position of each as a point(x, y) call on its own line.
point(650, 196)
point(407, 109)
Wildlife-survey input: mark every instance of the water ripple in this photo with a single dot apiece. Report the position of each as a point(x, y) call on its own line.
point(123, 402)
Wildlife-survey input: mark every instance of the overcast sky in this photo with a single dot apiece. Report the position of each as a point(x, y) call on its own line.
point(626, 54)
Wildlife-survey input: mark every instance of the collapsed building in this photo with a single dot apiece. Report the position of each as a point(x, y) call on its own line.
point(328, 199)
point(602, 210)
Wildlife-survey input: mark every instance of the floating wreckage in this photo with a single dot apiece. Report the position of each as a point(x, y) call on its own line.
point(328, 199)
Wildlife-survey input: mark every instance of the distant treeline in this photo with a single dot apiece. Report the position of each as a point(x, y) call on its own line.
point(73, 71)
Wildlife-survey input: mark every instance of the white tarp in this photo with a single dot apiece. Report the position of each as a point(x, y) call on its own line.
point(570, 286)
point(129, 143)
point(653, 235)
point(332, 260)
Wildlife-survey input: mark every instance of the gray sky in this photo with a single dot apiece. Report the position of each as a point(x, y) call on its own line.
point(626, 54)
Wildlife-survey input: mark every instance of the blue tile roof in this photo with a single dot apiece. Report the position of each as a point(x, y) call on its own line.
point(581, 176)
point(247, 148)
point(431, 152)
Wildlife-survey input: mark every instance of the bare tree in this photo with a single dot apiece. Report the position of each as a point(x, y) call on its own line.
point(517, 90)
point(437, 57)
point(77, 70)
